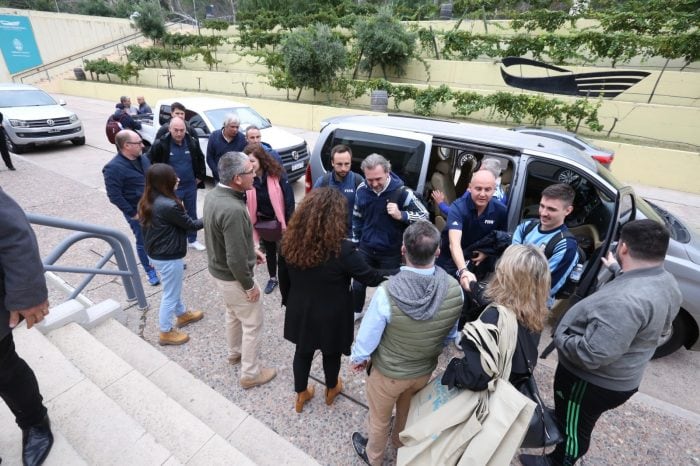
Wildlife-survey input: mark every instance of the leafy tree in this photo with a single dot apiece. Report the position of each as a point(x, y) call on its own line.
point(95, 8)
point(313, 57)
point(384, 41)
point(150, 21)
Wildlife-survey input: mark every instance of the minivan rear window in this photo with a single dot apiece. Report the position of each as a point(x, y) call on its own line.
point(405, 155)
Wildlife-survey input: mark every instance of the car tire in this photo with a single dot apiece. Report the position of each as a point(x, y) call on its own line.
point(78, 141)
point(14, 148)
point(679, 335)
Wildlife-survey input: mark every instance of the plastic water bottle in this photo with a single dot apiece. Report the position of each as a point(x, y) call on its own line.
point(576, 273)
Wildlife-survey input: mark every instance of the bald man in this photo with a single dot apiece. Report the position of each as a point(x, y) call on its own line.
point(180, 150)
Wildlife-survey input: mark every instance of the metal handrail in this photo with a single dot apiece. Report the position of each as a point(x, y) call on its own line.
point(120, 249)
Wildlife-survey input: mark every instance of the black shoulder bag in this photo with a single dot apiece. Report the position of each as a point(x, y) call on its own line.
point(543, 430)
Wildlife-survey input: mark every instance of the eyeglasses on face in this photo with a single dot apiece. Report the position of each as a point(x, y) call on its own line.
point(251, 172)
point(134, 142)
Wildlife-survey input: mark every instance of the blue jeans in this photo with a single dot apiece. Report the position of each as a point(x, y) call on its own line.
point(171, 273)
point(188, 195)
point(140, 248)
point(375, 260)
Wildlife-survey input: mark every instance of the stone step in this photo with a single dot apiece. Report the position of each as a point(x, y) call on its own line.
point(258, 442)
point(62, 452)
point(187, 437)
point(97, 427)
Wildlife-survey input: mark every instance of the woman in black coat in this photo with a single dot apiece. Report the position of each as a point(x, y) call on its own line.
point(165, 225)
point(315, 269)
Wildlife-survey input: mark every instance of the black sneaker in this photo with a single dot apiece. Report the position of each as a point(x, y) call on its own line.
point(359, 443)
point(271, 285)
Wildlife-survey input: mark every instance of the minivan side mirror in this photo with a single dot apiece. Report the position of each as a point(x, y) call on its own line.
point(61, 102)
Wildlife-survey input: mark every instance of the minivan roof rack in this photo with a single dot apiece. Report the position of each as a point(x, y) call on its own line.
point(418, 117)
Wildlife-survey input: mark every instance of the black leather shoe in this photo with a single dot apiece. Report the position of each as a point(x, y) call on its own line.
point(36, 443)
point(359, 443)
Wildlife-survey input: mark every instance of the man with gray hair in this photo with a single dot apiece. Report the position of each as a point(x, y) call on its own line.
point(221, 141)
point(232, 258)
point(383, 208)
point(254, 136)
point(421, 299)
point(181, 151)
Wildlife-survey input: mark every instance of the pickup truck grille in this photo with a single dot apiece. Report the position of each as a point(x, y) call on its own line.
point(48, 122)
point(289, 156)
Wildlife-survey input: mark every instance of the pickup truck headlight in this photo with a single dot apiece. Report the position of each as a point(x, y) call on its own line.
point(19, 123)
point(73, 118)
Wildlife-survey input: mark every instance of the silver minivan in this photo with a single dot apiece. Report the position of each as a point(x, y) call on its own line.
point(31, 117)
point(427, 154)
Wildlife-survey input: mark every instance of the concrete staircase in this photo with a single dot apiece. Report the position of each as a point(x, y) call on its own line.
point(115, 399)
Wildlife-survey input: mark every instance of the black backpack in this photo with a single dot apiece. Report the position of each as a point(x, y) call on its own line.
point(569, 285)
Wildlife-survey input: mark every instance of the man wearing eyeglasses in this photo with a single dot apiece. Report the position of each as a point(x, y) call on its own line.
point(181, 151)
point(125, 178)
point(232, 258)
point(221, 141)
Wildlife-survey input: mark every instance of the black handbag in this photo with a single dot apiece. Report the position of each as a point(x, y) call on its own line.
point(269, 230)
point(543, 430)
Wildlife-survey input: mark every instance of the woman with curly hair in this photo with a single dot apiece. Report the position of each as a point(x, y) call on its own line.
point(316, 266)
point(270, 200)
point(165, 226)
point(520, 284)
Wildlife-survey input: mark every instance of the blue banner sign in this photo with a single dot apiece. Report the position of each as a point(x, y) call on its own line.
point(18, 44)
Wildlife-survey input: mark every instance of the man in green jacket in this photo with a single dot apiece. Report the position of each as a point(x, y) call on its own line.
point(406, 326)
point(232, 257)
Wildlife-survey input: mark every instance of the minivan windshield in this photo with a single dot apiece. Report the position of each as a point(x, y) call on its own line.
point(25, 98)
point(247, 115)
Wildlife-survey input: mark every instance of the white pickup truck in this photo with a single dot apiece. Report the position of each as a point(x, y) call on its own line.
point(206, 114)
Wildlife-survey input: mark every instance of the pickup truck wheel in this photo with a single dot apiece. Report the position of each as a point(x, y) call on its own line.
point(679, 333)
point(14, 148)
point(78, 141)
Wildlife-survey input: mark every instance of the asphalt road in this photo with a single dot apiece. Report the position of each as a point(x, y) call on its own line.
point(669, 383)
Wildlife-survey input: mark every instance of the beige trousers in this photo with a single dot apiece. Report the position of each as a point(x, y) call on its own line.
point(244, 322)
point(382, 394)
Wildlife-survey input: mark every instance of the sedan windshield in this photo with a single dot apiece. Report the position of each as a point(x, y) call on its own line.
point(247, 115)
point(25, 98)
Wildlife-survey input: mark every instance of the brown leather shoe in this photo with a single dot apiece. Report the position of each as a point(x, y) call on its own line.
point(234, 360)
point(173, 337)
point(266, 374)
point(331, 393)
point(303, 397)
point(188, 317)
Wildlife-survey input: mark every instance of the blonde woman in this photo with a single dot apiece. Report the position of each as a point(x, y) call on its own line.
point(521, 284)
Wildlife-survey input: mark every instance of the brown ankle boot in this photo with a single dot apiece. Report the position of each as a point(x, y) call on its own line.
point(303, 397)
point(331, 393)
point(188, 317)
point(173, 337)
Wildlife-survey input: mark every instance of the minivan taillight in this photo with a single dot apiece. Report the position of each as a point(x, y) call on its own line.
point(308, 182)
point(604, 159)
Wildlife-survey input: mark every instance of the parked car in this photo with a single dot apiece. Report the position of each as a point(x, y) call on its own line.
point(427, 153)
point(604, 156)
point(31, 117)
point(207, 114)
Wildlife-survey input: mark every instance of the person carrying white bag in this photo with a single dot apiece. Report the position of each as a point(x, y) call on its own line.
point(477, 417)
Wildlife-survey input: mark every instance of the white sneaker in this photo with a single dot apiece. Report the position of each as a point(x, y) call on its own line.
point(196, 245)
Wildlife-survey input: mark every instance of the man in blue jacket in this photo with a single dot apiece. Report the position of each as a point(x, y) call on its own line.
point(124, 177)
point(342, 178)
point(384, 207)
point(221, 141)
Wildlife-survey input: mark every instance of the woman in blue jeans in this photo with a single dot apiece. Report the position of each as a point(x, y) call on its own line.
point(165, 225)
